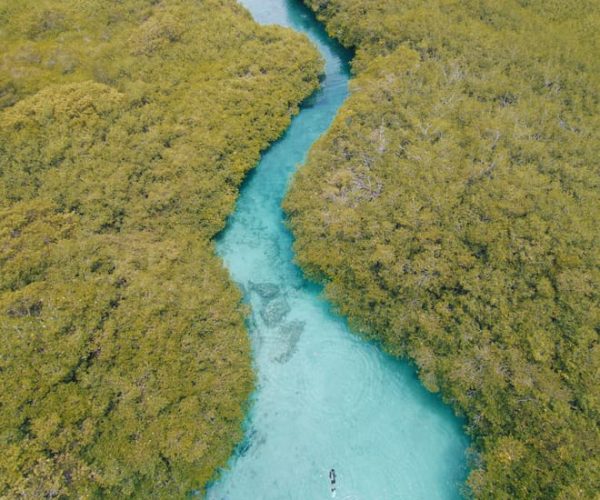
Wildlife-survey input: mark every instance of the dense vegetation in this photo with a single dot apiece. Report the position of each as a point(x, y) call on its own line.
point(453, 209)
point(125, 131)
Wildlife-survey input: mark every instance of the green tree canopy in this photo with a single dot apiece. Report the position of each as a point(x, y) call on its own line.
point(452, 211)
point(125, 132)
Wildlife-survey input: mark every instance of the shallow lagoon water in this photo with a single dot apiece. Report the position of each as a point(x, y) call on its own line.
point(325, 399)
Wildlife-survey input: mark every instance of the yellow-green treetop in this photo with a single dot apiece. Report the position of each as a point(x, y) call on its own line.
point(125, 131)
point(452, 211)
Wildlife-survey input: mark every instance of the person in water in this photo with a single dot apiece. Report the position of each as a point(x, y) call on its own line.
point(332, 480)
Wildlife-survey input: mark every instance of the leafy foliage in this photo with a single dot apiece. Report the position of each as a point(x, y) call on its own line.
point(453, 212)
point(127, 128)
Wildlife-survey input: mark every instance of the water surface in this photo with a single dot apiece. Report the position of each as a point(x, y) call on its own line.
point(325, 399)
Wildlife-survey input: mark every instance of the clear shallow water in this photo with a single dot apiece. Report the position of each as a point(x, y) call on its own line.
point(325, 399)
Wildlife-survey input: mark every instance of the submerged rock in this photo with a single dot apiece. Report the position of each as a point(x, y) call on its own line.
point(266, 291)
point(251, 322)
point(274, 312)
point(289, 335)
point(253, 439)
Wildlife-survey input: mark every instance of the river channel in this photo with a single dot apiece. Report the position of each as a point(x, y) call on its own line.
point(325, 399)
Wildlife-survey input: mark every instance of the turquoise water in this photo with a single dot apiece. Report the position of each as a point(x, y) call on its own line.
point(325, 399)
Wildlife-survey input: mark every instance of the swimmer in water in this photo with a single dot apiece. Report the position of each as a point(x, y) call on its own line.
point(332, 480)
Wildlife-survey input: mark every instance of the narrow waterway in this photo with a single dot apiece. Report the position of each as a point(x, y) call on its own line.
point(325, 399)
